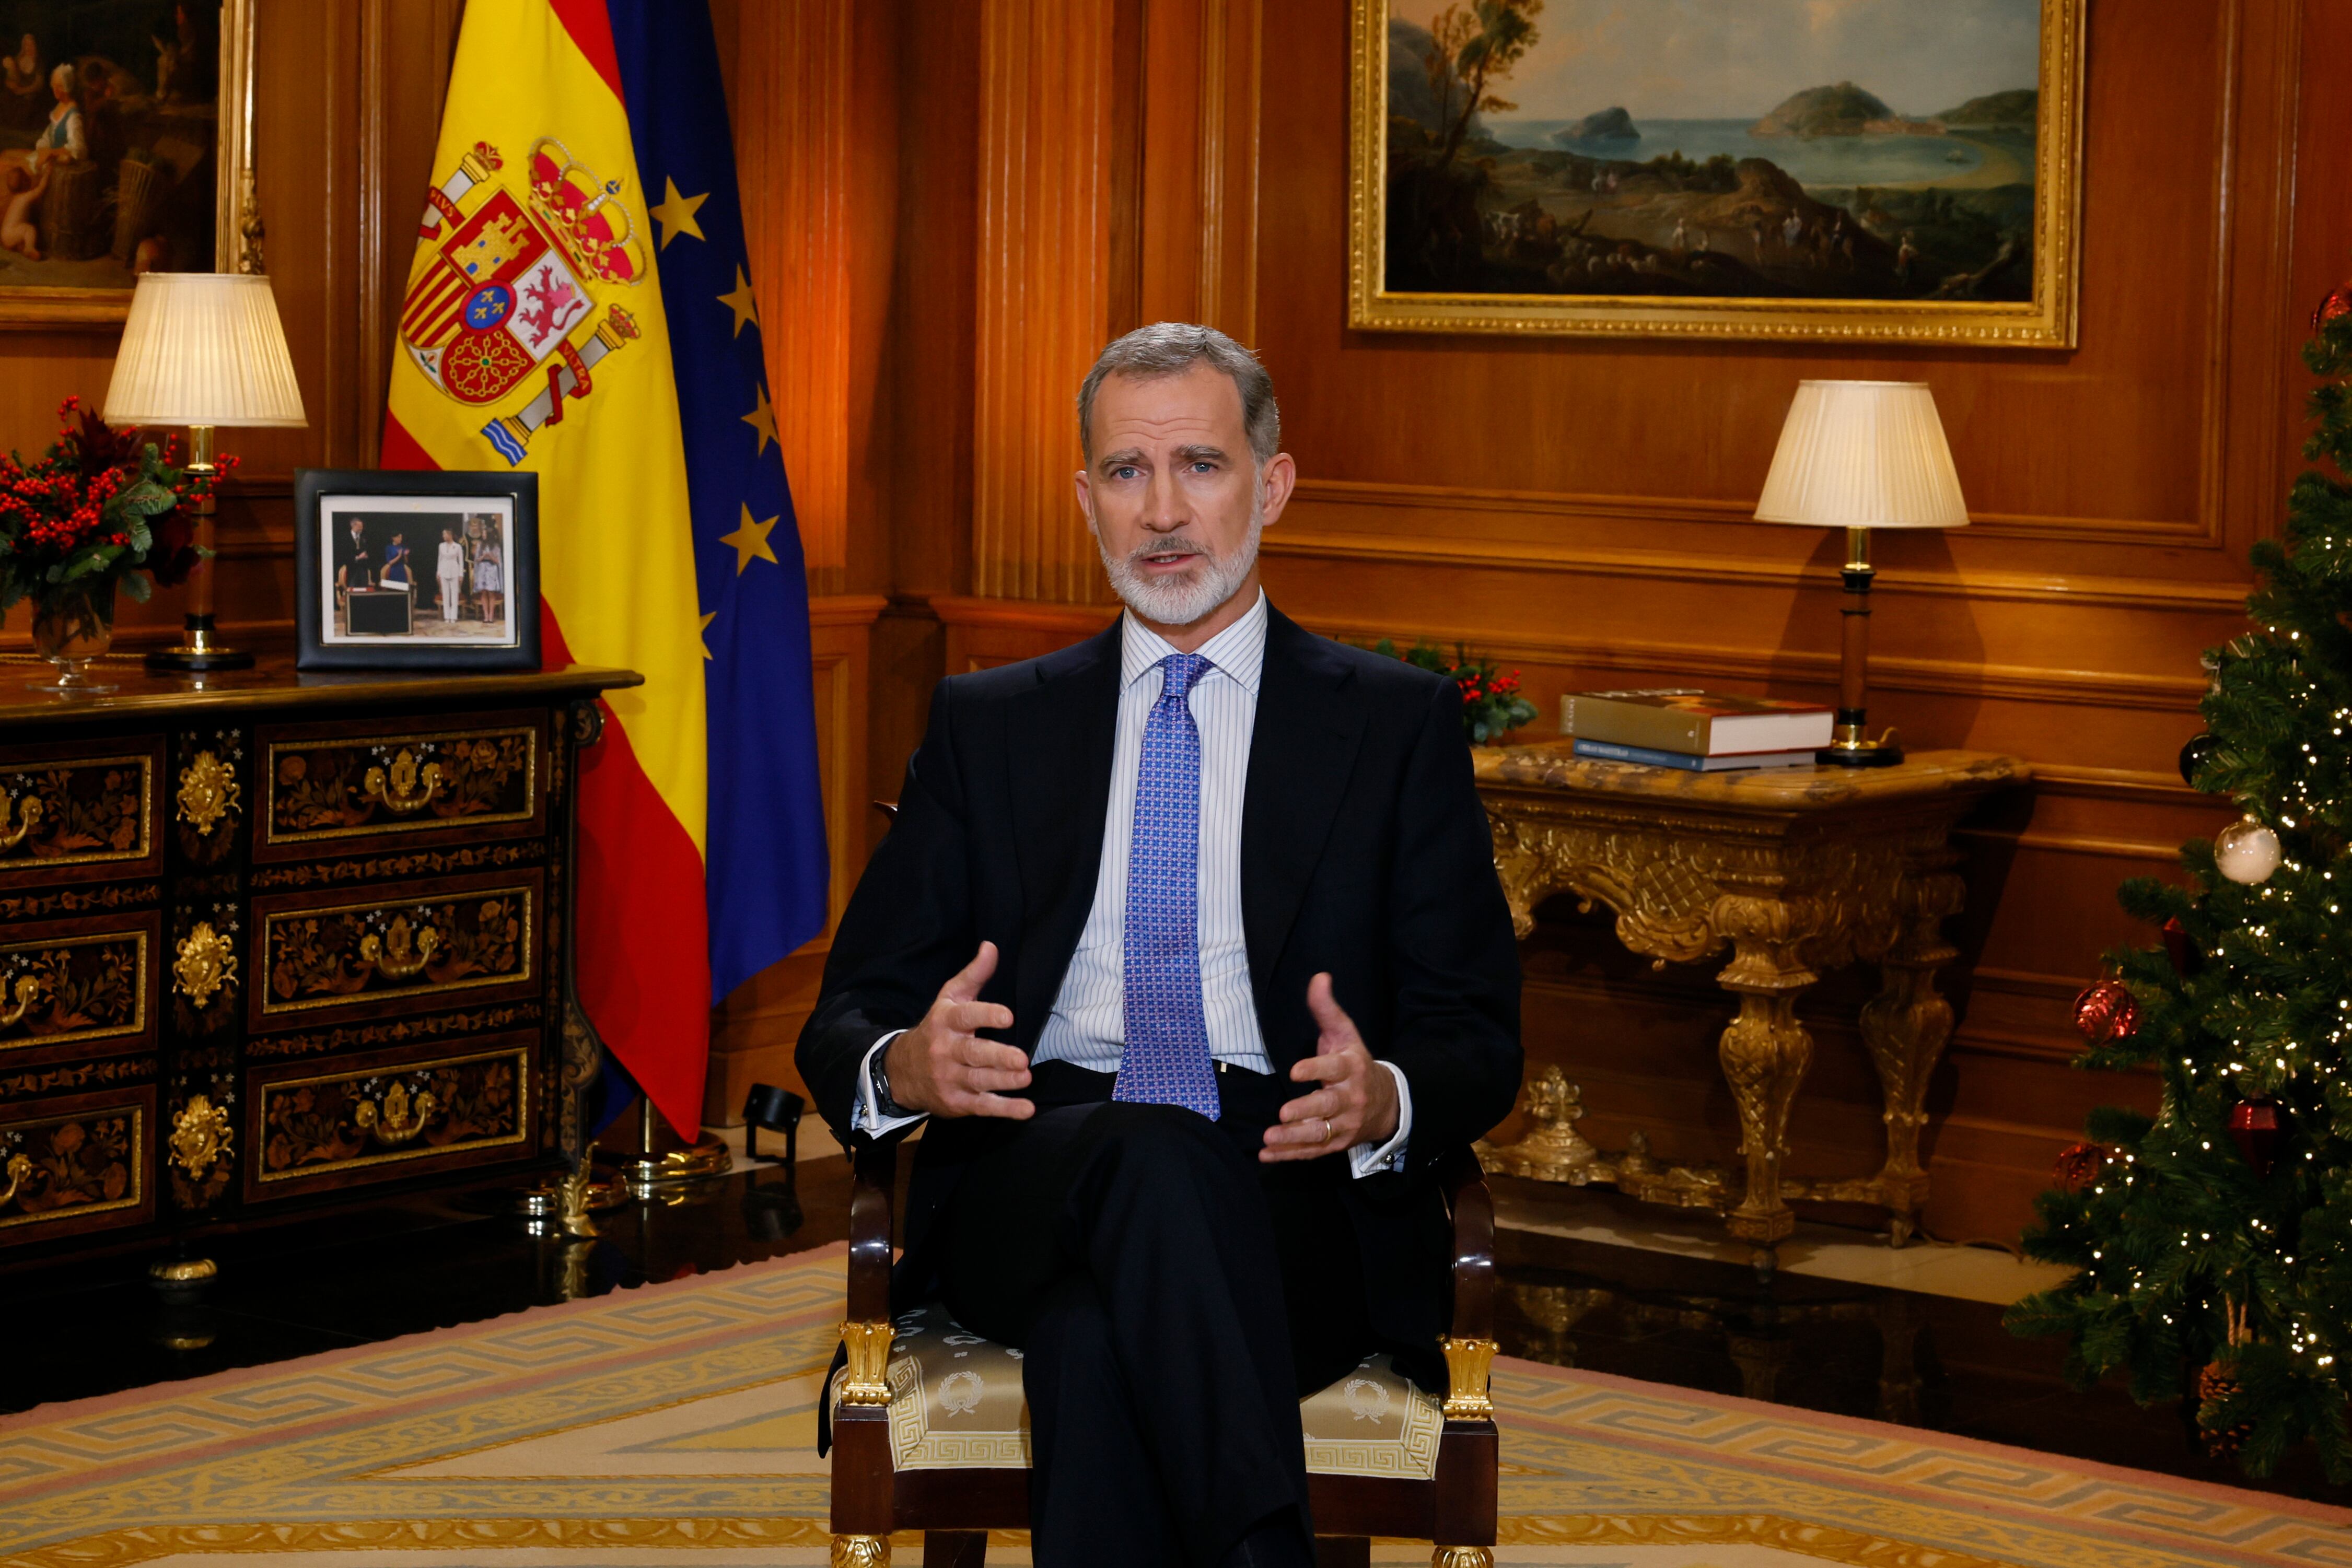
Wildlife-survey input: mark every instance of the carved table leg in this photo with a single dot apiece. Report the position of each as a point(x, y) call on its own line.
point(1907, 1025)
point(1765, 1050)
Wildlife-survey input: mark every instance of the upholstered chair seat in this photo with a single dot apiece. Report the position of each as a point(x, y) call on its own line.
point(956, 1403)
point(930, 1429)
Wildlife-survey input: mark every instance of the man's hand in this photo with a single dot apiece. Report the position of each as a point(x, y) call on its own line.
point(943, 1067)
point(1356, 1103)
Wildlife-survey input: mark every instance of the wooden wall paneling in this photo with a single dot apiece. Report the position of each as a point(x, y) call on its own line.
point(752, 1032)
point(982, 634)
point(1045, 287)
point(795, 65)
point(1197, 216)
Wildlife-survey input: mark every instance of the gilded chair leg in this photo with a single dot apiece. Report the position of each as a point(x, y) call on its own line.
point(1462, 1557)
point(863, 1552)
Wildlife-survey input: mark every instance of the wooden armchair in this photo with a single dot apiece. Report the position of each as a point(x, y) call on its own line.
point(922, 1438)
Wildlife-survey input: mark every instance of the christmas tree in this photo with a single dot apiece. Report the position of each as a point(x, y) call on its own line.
point(2212, 1243)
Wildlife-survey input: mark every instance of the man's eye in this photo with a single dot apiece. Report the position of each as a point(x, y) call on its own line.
point(1202, 466)
point(1123, 472)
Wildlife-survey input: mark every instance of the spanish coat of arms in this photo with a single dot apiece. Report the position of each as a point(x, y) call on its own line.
point(501, 301)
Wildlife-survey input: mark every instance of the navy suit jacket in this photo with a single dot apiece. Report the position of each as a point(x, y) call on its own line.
point(1365, 853)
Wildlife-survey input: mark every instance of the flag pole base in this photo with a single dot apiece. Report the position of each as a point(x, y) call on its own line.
point(704, 1159)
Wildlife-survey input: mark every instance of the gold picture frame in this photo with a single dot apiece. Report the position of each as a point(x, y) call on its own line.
point(1579, 308)
point(236, 228)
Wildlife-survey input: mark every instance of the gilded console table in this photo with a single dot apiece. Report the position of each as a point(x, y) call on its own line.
point(272, 941)
point(1796, 872)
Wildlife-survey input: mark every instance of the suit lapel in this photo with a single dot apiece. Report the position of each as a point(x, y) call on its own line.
point(1059, 735)
point(1310, 718)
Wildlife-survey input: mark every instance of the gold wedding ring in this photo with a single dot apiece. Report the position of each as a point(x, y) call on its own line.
point(1327, 1129)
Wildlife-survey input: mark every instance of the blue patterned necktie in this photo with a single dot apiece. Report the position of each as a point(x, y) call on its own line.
point(1166, 1059)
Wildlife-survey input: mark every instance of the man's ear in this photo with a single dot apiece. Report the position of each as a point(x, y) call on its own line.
point(1275, 482)
point(1085, 492)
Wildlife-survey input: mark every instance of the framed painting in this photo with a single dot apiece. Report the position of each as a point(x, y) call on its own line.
point(415, 570)
point(1850, 171)
point(125, 147)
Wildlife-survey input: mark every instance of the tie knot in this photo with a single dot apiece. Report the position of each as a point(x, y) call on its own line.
point(1181, 673)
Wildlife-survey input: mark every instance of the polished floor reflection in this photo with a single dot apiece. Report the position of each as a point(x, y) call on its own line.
point(1584, 1285)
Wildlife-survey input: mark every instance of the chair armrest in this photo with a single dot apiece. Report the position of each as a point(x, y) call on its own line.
point(1473, 1208)
point(877, 1167)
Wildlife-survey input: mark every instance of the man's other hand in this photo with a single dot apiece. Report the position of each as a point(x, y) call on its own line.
point(942, 1066)
point(1356, 1103)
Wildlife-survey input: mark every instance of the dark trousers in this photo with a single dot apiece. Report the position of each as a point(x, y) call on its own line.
point(1173, 1298)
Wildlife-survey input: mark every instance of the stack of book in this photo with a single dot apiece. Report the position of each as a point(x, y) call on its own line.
point(1700, 732)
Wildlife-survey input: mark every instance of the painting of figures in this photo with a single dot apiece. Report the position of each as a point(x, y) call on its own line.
point(1872, 169)
point(110, 144)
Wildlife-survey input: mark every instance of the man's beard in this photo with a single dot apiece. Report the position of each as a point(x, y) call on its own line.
point(1179, 601)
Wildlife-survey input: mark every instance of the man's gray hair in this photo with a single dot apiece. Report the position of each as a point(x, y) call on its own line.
point(1172, 348)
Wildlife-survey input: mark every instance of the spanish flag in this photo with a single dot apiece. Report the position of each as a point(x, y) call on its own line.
point(580, 305)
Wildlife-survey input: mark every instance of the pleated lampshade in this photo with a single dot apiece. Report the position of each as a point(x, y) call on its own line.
point(203, 348)
point(1864, 455)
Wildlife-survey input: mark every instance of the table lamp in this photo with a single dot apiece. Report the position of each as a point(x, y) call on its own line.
point(1860, 456)
point(203, 350)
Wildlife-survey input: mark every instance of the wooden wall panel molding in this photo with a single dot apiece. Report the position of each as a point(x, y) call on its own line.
point(794, 71)
point(1045, 289)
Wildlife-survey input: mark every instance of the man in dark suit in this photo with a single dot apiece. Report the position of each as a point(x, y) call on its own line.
point(351, 561)
point(1188, 942)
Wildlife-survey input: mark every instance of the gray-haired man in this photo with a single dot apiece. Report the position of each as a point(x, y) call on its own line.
point(1187, 941)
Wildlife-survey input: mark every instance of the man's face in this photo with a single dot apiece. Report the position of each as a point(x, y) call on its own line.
point(1173, 497)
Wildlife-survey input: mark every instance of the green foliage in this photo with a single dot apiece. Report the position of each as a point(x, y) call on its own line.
point(2182, 1254)
point(1492, 705)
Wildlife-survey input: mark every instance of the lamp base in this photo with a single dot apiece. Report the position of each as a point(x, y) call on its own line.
point(1861, 754)
point(198, 651)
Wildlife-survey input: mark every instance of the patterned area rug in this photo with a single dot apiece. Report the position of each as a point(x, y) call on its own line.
point(673, 1428)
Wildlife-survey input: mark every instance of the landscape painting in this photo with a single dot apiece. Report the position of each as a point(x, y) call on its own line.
point(1857, 170)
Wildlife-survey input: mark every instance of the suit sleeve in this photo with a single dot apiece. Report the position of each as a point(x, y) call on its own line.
point(1456, 963)
point(908, 929)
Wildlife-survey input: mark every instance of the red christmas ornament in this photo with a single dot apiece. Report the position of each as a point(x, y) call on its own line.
point(2258, 1127)
point(2080, 1165)
point(2106, 1013)
point(2186, 959)
point(2338, 302)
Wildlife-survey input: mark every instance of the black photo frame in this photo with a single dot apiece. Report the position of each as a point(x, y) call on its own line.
point(405, 621)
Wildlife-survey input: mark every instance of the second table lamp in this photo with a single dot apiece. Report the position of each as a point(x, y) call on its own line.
point(1861, 455)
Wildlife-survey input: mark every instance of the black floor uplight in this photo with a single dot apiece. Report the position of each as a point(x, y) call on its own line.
point(778, 1111)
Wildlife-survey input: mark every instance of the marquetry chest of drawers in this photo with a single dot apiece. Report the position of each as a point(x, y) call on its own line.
point(281, 941)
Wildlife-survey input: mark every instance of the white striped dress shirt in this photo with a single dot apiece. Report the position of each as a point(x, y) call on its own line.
point(1088, 1023)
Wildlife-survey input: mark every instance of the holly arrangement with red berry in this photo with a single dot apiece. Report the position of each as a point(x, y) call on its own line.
point(2211, 1243)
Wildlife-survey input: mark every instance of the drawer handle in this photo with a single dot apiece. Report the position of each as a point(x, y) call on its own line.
point(28, 811)
point(28, 989)
point(398, 953)
point(397, 1118)
point(19, 1170)
point(400, 791)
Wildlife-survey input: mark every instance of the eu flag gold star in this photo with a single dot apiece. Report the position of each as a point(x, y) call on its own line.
point(705, 628)
point(675, 214)
point(746, 309)
point(762, 418)
point(751, 542)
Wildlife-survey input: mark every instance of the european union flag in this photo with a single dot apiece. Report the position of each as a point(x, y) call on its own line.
point(764, 857)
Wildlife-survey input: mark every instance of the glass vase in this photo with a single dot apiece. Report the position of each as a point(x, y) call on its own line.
point(70, 629)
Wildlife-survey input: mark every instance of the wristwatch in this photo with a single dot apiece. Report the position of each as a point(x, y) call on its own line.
point(884, 1106)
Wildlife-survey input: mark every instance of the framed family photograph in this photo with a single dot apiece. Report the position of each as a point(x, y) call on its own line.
point(415, 570)
point(125, 147)
point(1867, 171)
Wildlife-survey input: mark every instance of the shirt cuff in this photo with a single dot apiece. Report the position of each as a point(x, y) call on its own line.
point(869, 1118)
point(1364, 1160)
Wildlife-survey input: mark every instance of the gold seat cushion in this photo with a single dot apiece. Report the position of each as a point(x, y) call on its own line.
point(956, 1402)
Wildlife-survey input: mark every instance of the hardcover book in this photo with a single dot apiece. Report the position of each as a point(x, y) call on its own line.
point(1610, 751)
point(1696, 723)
